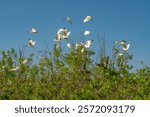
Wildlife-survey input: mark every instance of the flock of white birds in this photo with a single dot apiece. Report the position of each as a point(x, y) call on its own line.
point(63, 33)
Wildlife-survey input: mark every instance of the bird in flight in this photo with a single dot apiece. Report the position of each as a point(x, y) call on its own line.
point(62, 33)
point(31, 43)
point(33, 30)
point(87, 18)
point(86, 32)
point(68, 20)
point(125, 46)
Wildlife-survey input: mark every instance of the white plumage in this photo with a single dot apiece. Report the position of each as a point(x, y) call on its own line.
point(125, 46)
point(33, 30)
point(69, 45)
point(87, 18)
point(58, 37)
point(25, 61)
point(86, 32)
point(14, 69)
point(31, 43)
point(88, 43)
point(62, 34)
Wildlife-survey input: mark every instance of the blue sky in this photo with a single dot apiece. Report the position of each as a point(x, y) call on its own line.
point(118, 19)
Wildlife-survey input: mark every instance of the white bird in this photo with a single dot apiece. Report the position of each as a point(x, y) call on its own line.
point(125, 47)
point(14, 69)
point(88, 43)
point(122, 42)
point(58, 37)
point(31, 43)
point(25, 61)
point(82, 50)
point(121, 54)
point(87, 32)
point(33, 30)
point(61, 30)
point(68, 20)
point(66, 35)
point(62, 34)
point(78, 45)
point(69, 45)
point(87, 18)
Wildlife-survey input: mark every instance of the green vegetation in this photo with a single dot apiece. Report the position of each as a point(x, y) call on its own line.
point(72, 75)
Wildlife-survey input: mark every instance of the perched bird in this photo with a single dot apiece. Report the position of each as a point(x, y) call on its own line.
point(121, 54)
point(33, 30)
point(68, 20)
point(25, 61)
point(31, 43)
point(69, 45)
point(86, 32)
point(14, 69)
point(82, 50)
point(87, 18)
point(88, 43)
point(78, 45)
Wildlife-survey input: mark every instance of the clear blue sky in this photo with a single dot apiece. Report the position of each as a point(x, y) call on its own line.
point(119, 19)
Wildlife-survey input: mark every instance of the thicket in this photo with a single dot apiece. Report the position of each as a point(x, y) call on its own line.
point(72, 75)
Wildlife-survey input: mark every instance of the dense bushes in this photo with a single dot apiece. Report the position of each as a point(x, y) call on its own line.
point(71, 75)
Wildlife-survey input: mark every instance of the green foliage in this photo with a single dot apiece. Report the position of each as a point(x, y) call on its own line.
point(71, 75)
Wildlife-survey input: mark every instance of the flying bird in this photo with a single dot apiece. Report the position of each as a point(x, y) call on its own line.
point(58, 37)
point(87, 18)
point(125, 46)
point(33, 30)
point(87, 32)
point(62, 33)
point(66, 35)
point(31, 43)
point(61, 30)
point(68, 20)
